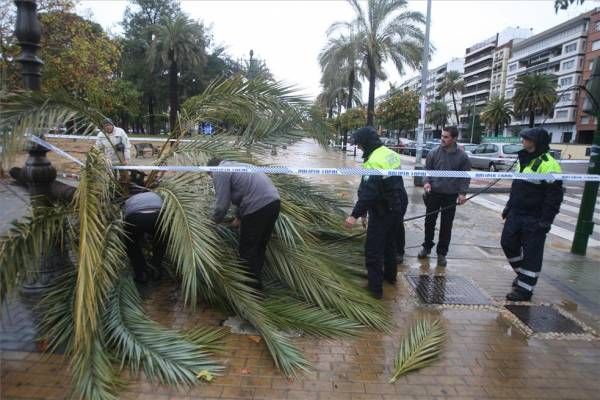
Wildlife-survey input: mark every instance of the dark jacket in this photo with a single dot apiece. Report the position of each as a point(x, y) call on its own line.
point(377, 194)
point(453, 159)
point(541, 200)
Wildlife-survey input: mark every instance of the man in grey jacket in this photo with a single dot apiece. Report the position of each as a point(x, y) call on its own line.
point(442, 194)
point(258, 204)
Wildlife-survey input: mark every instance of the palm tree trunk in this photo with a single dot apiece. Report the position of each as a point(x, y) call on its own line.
point(371, 104)
point(497, 130)
point(455, 108)
point(531, 119)
point(151, 119)
point(173, 97)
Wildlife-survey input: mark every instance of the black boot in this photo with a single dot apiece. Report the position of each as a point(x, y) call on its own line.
point(441, 260)
point(424, 253)
point(519, 294)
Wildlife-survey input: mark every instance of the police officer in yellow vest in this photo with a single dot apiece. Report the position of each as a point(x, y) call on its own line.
point(384, 200)
point(529, 213)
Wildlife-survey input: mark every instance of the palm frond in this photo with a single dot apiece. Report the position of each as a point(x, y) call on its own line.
point(292, 314)
point(57, 325)
point(194, 244)
point(22, 246)
point(100, 250)
point(94, 377)
point(309, 275)
point(207, 338)
point(420, 348)
point(191, 245)
point(141, 344)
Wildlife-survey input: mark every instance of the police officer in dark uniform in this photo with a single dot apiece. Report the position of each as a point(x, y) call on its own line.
point(529, 213)
point(383, 199)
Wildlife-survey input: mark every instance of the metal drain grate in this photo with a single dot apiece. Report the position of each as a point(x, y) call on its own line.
point(544, 319)
point(446, 289)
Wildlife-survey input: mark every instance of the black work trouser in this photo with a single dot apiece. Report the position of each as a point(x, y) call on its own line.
point(400, 231)
point(434, 202)
point(380, 249)
point(137, 225)
point(255, 232)
point(523, 244)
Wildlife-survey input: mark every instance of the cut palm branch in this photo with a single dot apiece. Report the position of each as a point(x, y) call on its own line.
point(164, 355)
point(420, 348)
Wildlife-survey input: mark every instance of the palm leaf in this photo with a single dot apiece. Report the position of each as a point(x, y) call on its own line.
point(194, 244)
point(57, 325)
point(93, 373)
point(420, 348)
point(164, 355)
point(292, 314)
point(22, 246)
point(100, 251)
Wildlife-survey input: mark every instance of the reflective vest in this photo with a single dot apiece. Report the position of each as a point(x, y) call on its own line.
point(383, 158)
point(543, 164)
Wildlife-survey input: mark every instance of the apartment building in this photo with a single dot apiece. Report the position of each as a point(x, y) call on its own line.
point(434, 81)
point(586, 124)
point(561, 51)
point(484, 65)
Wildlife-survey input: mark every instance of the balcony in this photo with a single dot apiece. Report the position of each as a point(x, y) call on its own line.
point(478, 81)
point(475, 60)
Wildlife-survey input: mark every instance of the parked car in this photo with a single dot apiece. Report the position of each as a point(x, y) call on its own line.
point(428, 147)
point(494, 156)
point(468, 146)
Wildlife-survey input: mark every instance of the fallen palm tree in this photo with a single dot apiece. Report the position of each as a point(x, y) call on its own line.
point(312, 272)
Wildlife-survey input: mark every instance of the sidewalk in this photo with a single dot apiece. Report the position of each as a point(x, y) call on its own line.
point(488, 355)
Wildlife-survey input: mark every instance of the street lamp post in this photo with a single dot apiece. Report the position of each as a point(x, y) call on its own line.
point(417, 180)
point(38, 173)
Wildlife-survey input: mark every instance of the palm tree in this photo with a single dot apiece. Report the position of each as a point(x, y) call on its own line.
point(340, 57)
point(497, 113)
point(387, 30)
point(95, 312)
point(535, 94)
point(564, 4)
point(452, 84)
point(438, 114)
point(177, 40)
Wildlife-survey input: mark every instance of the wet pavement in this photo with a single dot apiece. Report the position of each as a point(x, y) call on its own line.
point(489, 354)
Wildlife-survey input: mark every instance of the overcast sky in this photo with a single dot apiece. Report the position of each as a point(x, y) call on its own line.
point(289, 34)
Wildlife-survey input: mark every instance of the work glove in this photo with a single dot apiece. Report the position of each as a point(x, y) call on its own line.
point(545, 226)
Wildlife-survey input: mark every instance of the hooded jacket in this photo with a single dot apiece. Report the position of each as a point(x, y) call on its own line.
point(376, 193)
point(539, 199)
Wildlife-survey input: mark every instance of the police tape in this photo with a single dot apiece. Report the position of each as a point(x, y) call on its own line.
point(150, 139)
point(337, 171)
point(251, 169)
point(42, 142)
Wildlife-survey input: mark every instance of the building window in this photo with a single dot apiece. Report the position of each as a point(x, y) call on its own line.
point(568, 64)
point(570, 47)
point(585, 119)
point(591, 65)
point(510, 81)
point(566, 81)
point(597, 26)
point(560, 114)
point(566, 137)
point(509, 94)
point(513, 67)
point(596, 45)
point(565, 97)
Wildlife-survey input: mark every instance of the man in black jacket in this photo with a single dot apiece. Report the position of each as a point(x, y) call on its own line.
point(441, 194)
point(384, 200)
point(529, 213)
